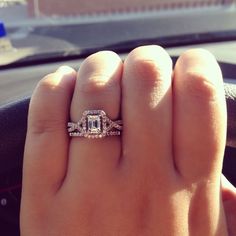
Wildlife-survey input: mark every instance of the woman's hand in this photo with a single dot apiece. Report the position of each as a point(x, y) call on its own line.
point(162, 176)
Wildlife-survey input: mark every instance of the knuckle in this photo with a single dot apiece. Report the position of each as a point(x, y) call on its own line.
point(150, 75)
point(100, 72)
point(151, 65)
point(199, 85)
point(98, 83)
point(148, 69)
point(42, 117)
point(48, 86)
point(201, 72)
point(47, 82)
point(51, 85)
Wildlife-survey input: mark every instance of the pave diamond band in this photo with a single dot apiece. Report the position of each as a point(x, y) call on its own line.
point(95, 124)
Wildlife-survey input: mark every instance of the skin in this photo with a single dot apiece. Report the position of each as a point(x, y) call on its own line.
point(161, 178)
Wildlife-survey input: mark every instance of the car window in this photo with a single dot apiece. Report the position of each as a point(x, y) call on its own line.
point(33, 30)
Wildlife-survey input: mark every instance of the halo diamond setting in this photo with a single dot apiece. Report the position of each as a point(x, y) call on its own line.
point(94, 124)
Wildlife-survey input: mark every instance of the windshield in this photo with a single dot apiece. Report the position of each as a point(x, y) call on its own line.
point(73, 7)
point(42, 29)
point(15, 12)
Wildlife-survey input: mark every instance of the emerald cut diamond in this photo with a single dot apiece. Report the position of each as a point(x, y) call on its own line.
point(94, 124)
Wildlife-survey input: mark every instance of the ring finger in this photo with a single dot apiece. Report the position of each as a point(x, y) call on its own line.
point(97, 88)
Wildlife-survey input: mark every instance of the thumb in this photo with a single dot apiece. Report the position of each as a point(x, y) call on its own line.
point(229, 202)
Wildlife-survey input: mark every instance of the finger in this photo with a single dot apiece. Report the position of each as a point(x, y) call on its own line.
point(97, 88)
point(147, 109)
point(46, 147)
point(229, 202)
point(228, 190)
point(200, 115)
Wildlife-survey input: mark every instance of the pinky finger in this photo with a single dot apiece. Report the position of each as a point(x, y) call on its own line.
point(46, 146)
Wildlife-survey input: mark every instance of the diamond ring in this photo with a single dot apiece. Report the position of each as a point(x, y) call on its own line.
point(95, 124)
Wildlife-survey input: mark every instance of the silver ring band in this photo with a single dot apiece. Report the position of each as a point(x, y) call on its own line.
point(95, 124)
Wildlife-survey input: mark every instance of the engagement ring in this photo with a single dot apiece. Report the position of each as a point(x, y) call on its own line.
point(95, 124)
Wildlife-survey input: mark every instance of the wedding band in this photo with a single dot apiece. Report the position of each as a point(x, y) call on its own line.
point(95, 124)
